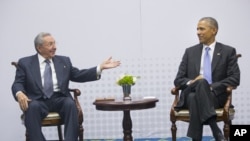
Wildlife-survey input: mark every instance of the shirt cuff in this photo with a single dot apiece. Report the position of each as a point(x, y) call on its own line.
point(189, 82)
point(98, 71)
point(19, 92)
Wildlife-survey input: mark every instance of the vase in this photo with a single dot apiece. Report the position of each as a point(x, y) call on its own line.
point(126, 92)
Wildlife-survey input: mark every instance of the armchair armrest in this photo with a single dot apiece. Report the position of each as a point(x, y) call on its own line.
point(228, 103)
point(175, 91)
point(14, 64)
point(77, 93)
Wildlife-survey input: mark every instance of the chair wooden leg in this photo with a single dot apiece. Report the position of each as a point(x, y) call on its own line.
point(59, 128)
point(81, 130)
point(226, 129)
point(173, 130)
point(80, 121)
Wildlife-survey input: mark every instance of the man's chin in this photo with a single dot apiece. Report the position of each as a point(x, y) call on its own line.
point(201, 41)
point(52, 55)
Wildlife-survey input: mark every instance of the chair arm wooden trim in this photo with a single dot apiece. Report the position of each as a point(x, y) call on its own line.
point(14, 64)
point(228, 103)
point(174, 91)
point(77, 93)
point(238, 55)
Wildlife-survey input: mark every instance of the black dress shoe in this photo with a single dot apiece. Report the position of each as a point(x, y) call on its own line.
point(220, 137)
point(195, 140)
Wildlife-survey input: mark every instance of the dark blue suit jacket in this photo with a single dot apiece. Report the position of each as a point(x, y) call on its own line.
point(225, 69)
point(28, 76)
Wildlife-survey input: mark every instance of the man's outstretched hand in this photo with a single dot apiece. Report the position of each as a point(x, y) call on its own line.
point(109, 63)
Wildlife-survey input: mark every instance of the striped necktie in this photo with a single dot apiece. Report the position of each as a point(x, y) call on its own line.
point(48, 83)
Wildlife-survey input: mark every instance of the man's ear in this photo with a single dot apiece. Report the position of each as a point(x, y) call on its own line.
point(215, 31)
point(38, 48)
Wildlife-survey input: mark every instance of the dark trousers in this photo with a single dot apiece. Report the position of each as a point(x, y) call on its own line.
point(38, 109)
point(201, 103)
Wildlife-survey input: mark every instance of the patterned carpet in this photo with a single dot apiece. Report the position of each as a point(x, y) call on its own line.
point(205, 138)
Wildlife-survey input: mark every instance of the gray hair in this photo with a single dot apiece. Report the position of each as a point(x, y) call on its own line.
point(39, 39)
point(212, 22)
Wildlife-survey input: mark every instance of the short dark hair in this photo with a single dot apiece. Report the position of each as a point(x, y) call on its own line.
point(212, 21)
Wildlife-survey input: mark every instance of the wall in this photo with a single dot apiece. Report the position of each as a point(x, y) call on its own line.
point(148, 36)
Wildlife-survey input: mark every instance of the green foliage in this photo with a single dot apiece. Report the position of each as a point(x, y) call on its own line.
point(127, 79)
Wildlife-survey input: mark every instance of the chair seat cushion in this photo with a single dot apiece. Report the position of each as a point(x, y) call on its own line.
point(52, 115)
point(219, 112)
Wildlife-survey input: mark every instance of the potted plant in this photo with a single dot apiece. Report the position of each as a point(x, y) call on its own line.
point(126, 81)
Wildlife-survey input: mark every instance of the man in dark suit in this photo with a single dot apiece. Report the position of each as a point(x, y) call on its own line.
point(28, 87)
point(202, 93)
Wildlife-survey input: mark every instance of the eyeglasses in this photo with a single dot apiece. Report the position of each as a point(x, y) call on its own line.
point(49, 44)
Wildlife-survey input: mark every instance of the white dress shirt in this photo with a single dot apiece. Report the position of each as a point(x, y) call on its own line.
point(42, 65)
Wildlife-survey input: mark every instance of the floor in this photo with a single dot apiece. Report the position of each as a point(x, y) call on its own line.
point(205, 138)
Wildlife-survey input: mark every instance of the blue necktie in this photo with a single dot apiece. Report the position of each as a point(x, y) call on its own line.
point(48, 83)
point(207, 66)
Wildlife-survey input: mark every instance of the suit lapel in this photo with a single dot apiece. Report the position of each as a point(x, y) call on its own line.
point(216, 56)
point(198, 54)
point(59, 68)
point(35, 70)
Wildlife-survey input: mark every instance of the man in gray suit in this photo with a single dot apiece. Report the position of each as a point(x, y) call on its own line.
point(28, 87)
point(202, 94)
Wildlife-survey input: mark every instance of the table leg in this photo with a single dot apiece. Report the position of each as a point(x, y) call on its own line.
point(127, 126)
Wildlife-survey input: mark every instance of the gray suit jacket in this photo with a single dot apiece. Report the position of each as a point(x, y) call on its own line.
point(225, 69)
point(28, 76)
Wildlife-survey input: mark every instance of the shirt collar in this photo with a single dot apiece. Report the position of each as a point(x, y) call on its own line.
point(41, 59)
point(212, 46)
